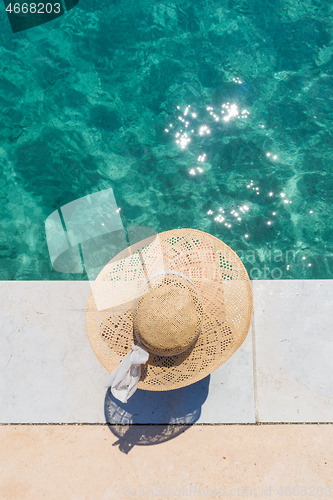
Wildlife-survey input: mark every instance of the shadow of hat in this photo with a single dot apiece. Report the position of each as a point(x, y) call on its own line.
point(153, 417)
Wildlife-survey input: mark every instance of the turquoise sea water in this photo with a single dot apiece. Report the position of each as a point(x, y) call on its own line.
point(211, 115)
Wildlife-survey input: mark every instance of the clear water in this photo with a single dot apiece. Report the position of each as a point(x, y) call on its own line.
point(103, 96)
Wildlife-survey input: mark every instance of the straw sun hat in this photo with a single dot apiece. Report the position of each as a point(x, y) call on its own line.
point(167, 311)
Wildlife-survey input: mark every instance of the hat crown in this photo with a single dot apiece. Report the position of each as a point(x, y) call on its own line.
point(168, 314)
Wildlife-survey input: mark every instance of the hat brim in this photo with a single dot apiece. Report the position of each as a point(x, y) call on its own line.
point(225, 289)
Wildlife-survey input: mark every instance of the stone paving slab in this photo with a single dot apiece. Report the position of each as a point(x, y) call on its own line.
point(50, 374)
point(293, 322)
point(82, 462)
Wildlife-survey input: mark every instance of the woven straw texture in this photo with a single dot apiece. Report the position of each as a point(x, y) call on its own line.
point(168, 315)
point(223, 285)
